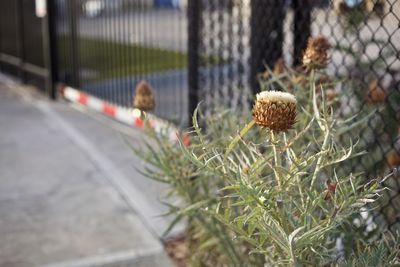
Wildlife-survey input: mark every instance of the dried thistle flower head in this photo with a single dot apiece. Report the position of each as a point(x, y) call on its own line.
point(343, 8)
point(279, 66)
point(380, 8)
point(330, 94)
point(316, 54)
point(144, 97)
point(330, 190)
point(323, 81)
point(376, 94)
point(393, 158)
point(275, 110)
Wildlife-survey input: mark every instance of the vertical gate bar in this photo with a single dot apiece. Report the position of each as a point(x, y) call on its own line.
point(211, 44)
point(74, 43)
point(230, 78)
point(241, 45)
point(220, 9)
point(266, 39)
point(51, 53)
point(121, 45)
point(129, 56)
point(20, 39)
point(194, 29)
point(46, 53)
point(112, 52)
point(145, 36)
point(139, 34)
point(302, 28)
point(125, 37)
point(2, 35)
point(106, 59)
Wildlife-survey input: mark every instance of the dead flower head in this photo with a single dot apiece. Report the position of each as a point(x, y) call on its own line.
point(330, 190)
point(316, 54)
point(279, 66)
point(144, 97)
point(376, 94)
point(275, 110)
point(393, 158)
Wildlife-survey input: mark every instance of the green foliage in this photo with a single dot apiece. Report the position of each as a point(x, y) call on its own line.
point(253, 197)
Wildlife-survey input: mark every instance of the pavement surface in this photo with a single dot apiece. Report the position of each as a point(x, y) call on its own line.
point(69, 191)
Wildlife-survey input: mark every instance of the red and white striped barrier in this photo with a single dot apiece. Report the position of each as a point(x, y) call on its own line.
point(127, 116)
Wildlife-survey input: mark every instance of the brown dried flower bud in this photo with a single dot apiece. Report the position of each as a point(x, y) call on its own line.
point(246, 169)
point(279, 66)
point(144, 97)
point(316, 54)
point(330, 94)
point(275, 110)
point(300, 80)
point(380, 8)
point(393, 158)
point(376, 94)
point(330, 190)
point(343, 8)
point(323, 81)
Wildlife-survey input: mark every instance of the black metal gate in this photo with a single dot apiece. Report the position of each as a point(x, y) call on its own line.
point(25, 49)
point(106, 47)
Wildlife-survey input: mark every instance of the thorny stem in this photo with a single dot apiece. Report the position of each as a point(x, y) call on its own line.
point(312, 86)
point(287, 147)
point(294, 260)
point(323, 124)
point(236, 140)
point(319, 161)
point(277, 157)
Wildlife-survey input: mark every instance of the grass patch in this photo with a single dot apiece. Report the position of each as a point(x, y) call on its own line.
point(108, 59)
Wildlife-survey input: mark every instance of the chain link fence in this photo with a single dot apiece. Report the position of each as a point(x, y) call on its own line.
point(240, 39)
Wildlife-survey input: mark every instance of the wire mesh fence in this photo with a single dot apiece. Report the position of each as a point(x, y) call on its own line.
point(246, 37)
point(366, 42)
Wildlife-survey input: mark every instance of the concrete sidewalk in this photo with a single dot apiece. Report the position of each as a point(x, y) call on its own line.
point(69, 193)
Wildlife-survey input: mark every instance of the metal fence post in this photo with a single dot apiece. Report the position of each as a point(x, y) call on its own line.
point(302, 28)
point(194, 30)
point(52, 44)
point(266, 39)
point(48, 32)
point(20, 39)
point(73, 24)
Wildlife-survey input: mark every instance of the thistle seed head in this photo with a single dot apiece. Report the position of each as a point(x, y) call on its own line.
point(275, 110)
point(393, 158)
point(316, 54)
point(376, 94)
point(144, 98)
